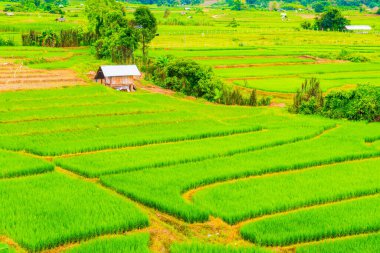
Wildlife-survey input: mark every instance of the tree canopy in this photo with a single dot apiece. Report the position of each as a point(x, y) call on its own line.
point(332, 20)
point(119, 37)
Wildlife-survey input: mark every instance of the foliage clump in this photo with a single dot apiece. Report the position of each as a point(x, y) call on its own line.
point(233, 23)
point(362, 103)
point(119, 37)
point(331, 20)
point(63, 38)
point(54, 7)
point(308, 99)
point(6, 42)
point(193, 79)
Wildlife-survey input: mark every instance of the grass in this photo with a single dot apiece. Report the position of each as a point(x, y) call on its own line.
point(361, 244)
point(49, 210)
point(161, 188)
point(13, 164)
point(133, 243)
point(290, 191)
point(213, 248)
point(208, 143)
point(347, 218)
point(93, 165)
point(4, 248)
point(118, 137)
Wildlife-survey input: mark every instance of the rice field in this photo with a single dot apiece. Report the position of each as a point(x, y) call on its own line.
point(84, 168)
point(363, 244)
point(134, 243)
point(347, 218)
point(15, 164)
point(52, 209)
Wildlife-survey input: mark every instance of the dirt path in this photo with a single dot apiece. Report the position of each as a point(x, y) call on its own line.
point(12, 244)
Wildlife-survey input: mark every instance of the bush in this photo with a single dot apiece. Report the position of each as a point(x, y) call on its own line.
point(362, 103)
point(186, 76)
point(308, 99)
point(348, 56)
point(7, 42)
point(331, 20)
point(306, 25)
point(192, 79)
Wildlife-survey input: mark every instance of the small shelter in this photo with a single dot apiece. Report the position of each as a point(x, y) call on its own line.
point(284, 16)
point(121, 77)
point(61, 19)
point(9, 14)
point(358, 28)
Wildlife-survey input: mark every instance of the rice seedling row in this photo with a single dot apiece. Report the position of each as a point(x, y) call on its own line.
point(133, 243)
point(93, 165)
point(78, 111)
point(51, 209)
point(289, 191)
point(362, 244)
point(14, 164)
point(161, 188)
point(91, 122)
point(118, 137)
point(340, 219)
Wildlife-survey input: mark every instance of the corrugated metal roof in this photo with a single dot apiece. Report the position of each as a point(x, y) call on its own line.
point(120, 70)
point(358, 27)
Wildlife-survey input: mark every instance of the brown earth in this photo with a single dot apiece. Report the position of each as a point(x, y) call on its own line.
point(19, 77)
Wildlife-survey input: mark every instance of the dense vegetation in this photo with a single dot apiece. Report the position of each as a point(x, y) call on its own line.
point(51, 6)
point(193, 79)
point(63, 38)
point(361, 103)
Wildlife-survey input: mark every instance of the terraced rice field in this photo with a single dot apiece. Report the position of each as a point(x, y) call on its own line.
point(82, 166)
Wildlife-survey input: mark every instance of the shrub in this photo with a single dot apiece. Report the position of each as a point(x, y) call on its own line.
point(348, 56)
point(362, 103)
point(332, 20)
point(308, 99)
point(193, 79)
point(6, 42)
point(186, 76)
point(306, 25)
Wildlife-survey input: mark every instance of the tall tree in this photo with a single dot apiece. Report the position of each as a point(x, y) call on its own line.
point(146, 24)
point(332, 20)
point(117, 38)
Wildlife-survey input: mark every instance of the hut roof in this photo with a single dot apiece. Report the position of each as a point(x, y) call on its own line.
point(358, 27)
point(120, 70)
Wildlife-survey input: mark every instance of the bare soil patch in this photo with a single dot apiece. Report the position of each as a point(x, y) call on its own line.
point(18, 77)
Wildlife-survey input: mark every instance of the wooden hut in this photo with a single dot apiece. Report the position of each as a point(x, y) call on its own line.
point(118, 76)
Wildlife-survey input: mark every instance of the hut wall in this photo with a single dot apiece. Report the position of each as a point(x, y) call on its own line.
point(119, 81)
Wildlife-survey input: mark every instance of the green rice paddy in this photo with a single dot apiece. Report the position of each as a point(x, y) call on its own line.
point(90, 169)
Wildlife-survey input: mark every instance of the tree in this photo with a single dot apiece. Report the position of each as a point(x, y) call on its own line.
point(319, 7)
point(332, 20)
point(146, 24)
point(117, 38)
